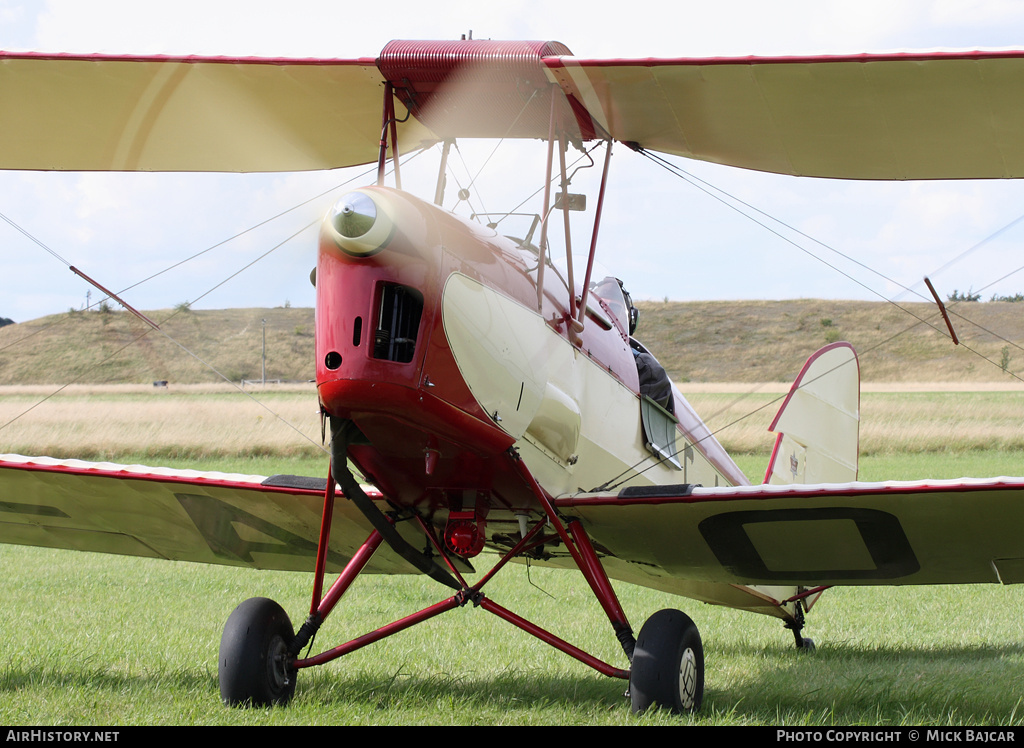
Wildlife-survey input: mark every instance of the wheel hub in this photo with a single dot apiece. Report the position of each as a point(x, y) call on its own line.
point(687, 679)
point(277, 664)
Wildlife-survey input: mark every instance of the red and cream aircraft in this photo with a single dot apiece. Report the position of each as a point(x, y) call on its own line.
point(494, 399)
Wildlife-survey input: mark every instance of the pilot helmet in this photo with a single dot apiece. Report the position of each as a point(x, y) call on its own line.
point(634, 313)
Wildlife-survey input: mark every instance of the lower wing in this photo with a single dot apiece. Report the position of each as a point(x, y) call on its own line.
point(748, 547)
point(183, 515)
point(963, 531)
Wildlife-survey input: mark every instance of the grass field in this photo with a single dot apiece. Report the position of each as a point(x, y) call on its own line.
point(92, 639)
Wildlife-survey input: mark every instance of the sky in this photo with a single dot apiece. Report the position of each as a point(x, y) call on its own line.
point(664, 237)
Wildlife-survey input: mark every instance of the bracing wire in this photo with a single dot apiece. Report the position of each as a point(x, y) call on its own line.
point(175, 312)
point(188, 351)
point(732, 202)
point(200, 253)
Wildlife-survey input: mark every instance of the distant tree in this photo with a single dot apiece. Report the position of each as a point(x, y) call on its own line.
point(968, 296)
point(1015, 297)
point(4, 321)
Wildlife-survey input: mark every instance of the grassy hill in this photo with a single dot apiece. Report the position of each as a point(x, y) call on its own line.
point(768, 341)
point(715, 341)
point(115, 347)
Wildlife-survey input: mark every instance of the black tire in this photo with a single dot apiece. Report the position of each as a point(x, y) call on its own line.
point(668, 665)
point(253, 663)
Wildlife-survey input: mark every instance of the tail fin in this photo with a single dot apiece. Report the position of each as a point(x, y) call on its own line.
point(818, 424)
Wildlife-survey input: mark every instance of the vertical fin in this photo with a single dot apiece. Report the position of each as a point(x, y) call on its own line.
point(818, 424)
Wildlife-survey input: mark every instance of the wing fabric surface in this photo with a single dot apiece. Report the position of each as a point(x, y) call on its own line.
point(704, 543)
point(936, 115)
point(214, 518)
point(938, 532)
point(105, 113)
point(930, 115)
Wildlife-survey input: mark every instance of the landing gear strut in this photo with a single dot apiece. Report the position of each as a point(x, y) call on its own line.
point(259, 651)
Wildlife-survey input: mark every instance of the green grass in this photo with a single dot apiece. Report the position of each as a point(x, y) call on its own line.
point(134, 641)
point(916, 465)
point(105, 640)
point(93, 639)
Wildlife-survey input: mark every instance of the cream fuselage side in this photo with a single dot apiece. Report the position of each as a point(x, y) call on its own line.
point(576, 424)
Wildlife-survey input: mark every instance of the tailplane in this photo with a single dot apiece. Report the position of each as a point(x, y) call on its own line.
point(817, 427)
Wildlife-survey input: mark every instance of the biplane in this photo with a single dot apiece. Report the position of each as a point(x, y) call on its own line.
point(478, 392)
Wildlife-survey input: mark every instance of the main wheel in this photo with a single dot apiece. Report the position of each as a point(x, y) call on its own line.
point(253, 665)
point(668, 665)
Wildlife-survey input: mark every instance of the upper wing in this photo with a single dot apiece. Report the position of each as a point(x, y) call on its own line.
point(215, 518)
point(965, 531)
point(105, 113)
point(890, 116)
point(896, 116)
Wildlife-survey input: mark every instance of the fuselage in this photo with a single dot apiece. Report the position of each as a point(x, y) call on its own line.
point(433, 339)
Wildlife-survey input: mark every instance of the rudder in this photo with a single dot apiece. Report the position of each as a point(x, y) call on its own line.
point(818, 425)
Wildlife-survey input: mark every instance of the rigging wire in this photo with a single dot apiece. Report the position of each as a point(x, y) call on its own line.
point(242, 233)
point(711, 191)
point(174, 313)
point(51, 251)
point(979, 245)
point(717, 193)
point(679, 172)
point(635, 469)
point(473, 177)
point(707, 189)
point(188, 351)
point(501, 140)
point(33, 239)
point(556, 178)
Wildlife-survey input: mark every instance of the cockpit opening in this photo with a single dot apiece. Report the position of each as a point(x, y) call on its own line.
point(618, 301)
point(654, 381)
